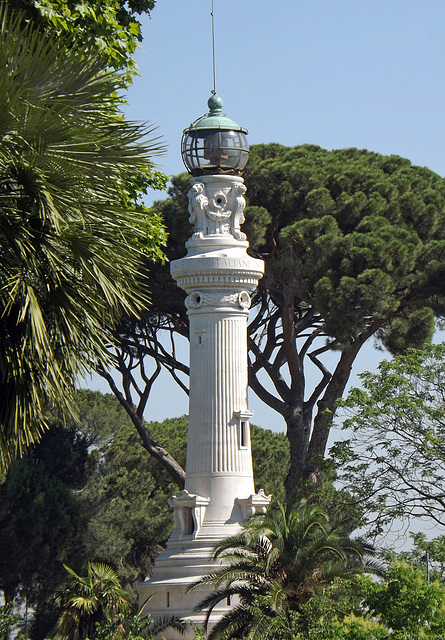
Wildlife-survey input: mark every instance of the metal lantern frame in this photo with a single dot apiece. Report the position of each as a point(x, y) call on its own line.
point(214, 143)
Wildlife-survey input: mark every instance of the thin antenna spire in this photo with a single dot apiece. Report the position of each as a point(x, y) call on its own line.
point(213, 51)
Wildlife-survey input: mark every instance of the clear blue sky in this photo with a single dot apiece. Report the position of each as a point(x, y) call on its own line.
point(366, 74)
point(338, 74)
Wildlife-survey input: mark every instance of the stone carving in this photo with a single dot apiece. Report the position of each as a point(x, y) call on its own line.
point(238, 216)
point(198, 202)
point(244, 300)
point(255, 504)
point(217, 211)
point(197, 299)
point(188, 511)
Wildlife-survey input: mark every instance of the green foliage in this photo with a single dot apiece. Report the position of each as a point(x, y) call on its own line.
point(64, 452)
point(41, 526)
point(90, 601)
point(429, 555)
point(8, 621)
point(43, 523)
point(127, 498)
point(403, 607)
point(137, 627)
point(354, 233)
point(172, 432)
point(353, 250)
point(337, 614)
point(351, 627)
point(408, 604)
point(109, 29)
point(99, 416)
point(275, 565)
point(118, 515)
point(270, 455)
point(392, 465)
point(336, 501)
point(70, 259)
point(125, 493)
point(96, 607)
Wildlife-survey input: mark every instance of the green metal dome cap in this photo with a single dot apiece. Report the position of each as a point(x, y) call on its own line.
point(214, 143)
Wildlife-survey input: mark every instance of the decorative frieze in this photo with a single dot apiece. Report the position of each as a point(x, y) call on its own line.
point(199, 299)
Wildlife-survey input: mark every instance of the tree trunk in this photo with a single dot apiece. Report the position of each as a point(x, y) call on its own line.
point(298, 432)
point(327, 406)
point(324, 417)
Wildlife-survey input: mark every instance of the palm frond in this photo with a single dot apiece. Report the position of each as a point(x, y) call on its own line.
point(276, 563)
point(172, 622)
point(71, 249)
point(234, 624)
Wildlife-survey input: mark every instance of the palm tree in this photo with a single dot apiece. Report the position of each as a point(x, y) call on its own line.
point(91, 601)
point(70, 245)
point(96, 606)
point(277, 563)
point(139, 627)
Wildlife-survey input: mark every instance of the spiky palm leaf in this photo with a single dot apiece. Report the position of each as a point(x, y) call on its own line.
point(276, 563)
point(156, 627)
point(90, 600)
point(68, 263)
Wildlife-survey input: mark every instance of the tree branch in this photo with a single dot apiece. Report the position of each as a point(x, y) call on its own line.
point(160, 454)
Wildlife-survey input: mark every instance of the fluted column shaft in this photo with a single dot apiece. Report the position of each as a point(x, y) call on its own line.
point(218, 275)
point(219, 460)
point(217, 395)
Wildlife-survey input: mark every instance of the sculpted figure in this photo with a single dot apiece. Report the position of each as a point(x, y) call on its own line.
point(238, 215)
point(198, 202)
point(220, 212)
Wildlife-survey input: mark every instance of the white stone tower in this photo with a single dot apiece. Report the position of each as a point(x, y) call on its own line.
point(218, 275)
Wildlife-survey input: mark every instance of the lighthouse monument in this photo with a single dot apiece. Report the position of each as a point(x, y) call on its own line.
point(218, 276)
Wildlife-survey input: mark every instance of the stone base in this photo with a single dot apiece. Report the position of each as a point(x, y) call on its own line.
point(180, 565)
point(187, 558)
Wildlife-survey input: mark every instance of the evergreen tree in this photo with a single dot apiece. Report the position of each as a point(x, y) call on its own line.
point(41, 519)
point(353, 243)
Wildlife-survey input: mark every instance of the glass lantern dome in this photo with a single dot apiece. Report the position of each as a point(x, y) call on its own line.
point(214, 143)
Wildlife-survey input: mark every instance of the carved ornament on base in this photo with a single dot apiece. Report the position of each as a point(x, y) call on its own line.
point(254, 504)
point(217, 210)
point(188, 511)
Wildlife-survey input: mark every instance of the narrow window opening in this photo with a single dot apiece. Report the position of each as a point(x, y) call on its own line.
point(243, 438)
point(199, 337)
point(168, 599)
